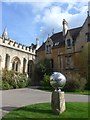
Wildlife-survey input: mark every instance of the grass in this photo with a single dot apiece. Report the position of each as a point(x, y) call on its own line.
point(85, 92)
point(43, 110)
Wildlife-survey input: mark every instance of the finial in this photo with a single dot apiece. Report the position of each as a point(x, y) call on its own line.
point(88, 13)
point(5, 33)
point(53, 31)
point(48, 35)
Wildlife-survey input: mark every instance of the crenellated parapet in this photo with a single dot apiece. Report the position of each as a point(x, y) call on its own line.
point(17, 46)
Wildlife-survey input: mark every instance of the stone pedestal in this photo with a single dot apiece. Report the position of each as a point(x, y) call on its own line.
point(58, 102)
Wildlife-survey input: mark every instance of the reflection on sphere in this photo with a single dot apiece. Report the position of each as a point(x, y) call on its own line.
point(57, 80)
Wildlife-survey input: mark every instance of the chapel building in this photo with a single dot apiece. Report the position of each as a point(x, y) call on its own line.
point(15, 56)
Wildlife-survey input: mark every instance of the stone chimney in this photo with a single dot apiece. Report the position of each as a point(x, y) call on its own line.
point(65, 27)
point(89, 8)
point(37, 43)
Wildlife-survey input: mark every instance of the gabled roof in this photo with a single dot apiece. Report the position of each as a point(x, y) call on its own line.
point(59, 40)
point(75, 32)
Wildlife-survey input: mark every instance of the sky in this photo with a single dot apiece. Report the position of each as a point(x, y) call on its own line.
point(28, 20)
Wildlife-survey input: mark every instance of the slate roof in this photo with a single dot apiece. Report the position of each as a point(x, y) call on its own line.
point(58, 38)
point(74, 32)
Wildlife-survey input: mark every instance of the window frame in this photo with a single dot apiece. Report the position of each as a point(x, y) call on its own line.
point(69, 44)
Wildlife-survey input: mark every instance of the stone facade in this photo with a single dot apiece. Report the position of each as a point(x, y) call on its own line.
point(64, 49)
point(15, 56)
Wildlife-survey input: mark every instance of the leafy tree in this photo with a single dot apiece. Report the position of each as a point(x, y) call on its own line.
point(42, 68)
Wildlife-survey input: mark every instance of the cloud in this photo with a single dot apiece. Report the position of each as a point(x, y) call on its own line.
point(37, 18)
point(63, 1)
point(48, 15)
point(39, 6)
point(48, 1)
point(53, 15)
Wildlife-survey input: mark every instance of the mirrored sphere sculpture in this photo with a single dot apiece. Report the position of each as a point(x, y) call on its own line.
point(57, 80)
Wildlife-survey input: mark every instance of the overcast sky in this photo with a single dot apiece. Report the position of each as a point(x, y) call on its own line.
point(26, 20)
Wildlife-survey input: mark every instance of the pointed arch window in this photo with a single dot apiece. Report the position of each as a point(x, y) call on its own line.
point(24, 65)
point(7, 61)
point(30, 68)
point(16, 64)
point(13, 65)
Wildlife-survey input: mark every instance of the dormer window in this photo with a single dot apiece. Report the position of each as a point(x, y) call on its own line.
point(48, 46)
point(69, 43)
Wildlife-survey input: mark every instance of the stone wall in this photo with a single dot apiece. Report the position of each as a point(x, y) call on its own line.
point(15, 50)
point(82, 37)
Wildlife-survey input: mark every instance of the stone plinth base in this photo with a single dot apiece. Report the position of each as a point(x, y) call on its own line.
point(58, 102)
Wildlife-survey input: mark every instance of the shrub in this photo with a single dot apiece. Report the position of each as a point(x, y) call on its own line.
point(6, 86)
point(45, 83)
point(7, 75)
point(22, 81)
point(11, 79)
point(75, 82)
point(7, 79)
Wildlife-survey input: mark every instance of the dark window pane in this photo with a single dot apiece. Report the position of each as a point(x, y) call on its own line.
point(69, 43)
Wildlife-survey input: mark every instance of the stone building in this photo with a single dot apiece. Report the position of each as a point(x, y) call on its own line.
point(15, 56)
point(64, 49)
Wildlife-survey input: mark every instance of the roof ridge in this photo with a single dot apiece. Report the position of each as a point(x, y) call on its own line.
point(75, 28)
point(68, 30)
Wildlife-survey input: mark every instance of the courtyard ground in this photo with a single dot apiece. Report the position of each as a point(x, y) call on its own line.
point(16, 98)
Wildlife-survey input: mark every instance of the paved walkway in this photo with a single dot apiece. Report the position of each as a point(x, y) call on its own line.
point(12, 99)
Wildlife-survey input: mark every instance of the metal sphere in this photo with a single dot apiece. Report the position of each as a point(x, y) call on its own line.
point(57, 80)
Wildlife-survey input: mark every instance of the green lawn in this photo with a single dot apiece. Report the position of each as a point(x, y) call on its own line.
point(85, 92)
point(43, 110)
